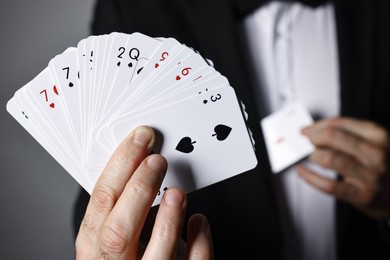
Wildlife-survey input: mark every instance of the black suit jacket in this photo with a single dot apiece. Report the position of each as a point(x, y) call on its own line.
point(241, 210)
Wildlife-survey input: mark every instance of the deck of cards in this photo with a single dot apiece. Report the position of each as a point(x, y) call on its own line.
point(88, 98)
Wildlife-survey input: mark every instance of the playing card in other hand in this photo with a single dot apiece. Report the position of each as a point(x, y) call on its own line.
point(285, 143)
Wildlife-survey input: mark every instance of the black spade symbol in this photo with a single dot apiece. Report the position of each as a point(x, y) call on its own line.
point(185, 145)
point(70, 84)
point(222, 132)
point(139, 70)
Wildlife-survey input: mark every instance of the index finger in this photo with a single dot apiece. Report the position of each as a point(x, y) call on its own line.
point(110, 185)
point(120, 231)
point(364, 129)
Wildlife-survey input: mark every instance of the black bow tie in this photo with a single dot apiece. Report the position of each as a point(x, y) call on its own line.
point(245, 7)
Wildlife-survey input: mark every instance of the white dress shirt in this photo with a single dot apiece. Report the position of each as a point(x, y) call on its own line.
point(294, 54)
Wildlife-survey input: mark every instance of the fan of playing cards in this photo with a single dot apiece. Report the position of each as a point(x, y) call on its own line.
point(89, 98)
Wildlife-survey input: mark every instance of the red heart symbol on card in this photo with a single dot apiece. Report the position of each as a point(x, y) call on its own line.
point(52, 105)
point(280, 140)
point(156, 65)
point(55, 90)
point(178, 77)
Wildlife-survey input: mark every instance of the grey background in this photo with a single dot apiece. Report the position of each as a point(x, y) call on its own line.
point(36, 193)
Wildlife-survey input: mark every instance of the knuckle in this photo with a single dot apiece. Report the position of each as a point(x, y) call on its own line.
point(348, 193)
point(121, 163)
point(322, 137)
point(88, 226)
point(85, 242)
point(367, 196)
point(353, 142)
point(167, 231)
point(330, 188)
point(141, 189)
point(113, 239)
point(337, 161)
point(329, 134)
point(328, 159)
point(361, 197)
point(347, 165)
point(103, 199)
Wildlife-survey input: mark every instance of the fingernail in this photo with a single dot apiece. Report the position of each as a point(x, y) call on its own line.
point(173, 198)
point(200, 224)
point(156, 163)
point(142, 136)
point(305, 130)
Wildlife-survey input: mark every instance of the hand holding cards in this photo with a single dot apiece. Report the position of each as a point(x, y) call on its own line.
point(89, 98)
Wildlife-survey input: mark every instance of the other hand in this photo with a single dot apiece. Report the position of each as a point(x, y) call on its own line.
point(359, 151)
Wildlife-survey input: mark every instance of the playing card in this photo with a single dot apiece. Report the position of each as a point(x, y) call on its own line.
point(285, 143)
point(37, 127)
point(193, 86)
point(133, 57)
point(91, 96)
point(65, 73)
point(41, 98)
point(204, 143)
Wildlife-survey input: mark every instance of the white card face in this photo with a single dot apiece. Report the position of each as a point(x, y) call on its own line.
point(44, 95)
point(134, 56)
point(44, 109)
point(188, 69)
point(203, 143)
point(23, 117)
point(156, 65)
point(160, 60)
point(113, 62)
point(199, 86)
point(100, 64)
point(208, 81)
point(64, 69)
point(285, 143)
